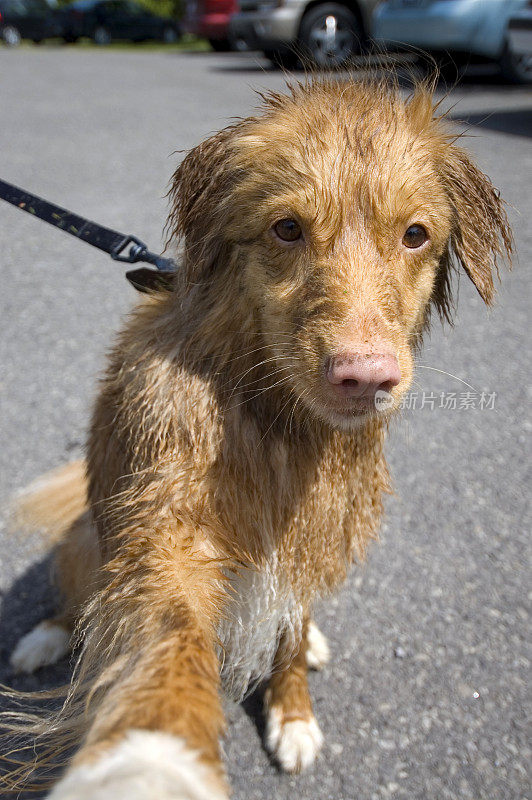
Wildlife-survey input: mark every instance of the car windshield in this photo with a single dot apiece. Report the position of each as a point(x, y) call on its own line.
point(133, 9)
point(36, 6)
point(13, 7)
point(83, 5)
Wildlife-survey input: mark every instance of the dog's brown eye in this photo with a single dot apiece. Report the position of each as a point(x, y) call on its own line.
point(415, 236)
point(288, 230)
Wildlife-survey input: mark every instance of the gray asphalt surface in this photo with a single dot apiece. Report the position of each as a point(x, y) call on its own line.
point(425, 698)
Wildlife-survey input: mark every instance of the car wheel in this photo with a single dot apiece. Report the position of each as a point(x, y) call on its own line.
point(101, 36)
point(284, 59)
point(10, 36)
point(516, 68)
point(220, 45)
point(170, 35)
point(330, 35)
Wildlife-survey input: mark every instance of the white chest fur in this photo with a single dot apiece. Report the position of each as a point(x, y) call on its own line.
point(261, 609)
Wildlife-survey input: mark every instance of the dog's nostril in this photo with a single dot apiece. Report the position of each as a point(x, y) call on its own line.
point(361, 374)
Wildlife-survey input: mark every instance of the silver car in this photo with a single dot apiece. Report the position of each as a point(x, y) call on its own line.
point(327, 34)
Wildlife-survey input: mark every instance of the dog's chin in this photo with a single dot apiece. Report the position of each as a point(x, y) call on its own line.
point(348, 419)
point(350, 416)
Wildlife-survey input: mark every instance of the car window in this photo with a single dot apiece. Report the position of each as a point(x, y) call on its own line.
point(37, 6)
point(115, 6)
point(82, 5)
point(13, 7)
point(135, 10)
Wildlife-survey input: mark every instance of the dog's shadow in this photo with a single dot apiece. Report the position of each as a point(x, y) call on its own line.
point(253, 707)
point(29, 600)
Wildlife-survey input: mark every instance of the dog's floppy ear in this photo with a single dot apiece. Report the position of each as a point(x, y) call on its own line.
point(198, 195)
point(480, 233)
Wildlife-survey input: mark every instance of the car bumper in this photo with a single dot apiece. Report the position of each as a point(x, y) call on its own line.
point(266, 30)
point(520, 34)
point(208, 26)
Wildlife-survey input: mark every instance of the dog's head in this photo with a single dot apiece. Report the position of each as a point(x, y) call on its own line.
point(339, 214)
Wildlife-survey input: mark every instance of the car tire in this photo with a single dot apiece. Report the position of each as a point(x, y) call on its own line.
point(220, 45)
point(516, 69)
point(284, 59)
point(170, 35)
point(10, 36)
point(101, 36)
point(330, 35)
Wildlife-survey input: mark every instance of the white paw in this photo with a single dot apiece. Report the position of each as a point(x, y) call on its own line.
point(318, 653)
point(145, 765)
point(44, 645)
point(294, 744)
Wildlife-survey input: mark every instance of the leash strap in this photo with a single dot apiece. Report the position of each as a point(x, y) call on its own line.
point(120, 246)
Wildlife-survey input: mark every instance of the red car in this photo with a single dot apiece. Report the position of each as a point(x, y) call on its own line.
point(210, 20)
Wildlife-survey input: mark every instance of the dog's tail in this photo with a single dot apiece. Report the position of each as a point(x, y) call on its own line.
point(54, 501)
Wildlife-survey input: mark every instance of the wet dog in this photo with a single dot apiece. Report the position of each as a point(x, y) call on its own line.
point(235, 461)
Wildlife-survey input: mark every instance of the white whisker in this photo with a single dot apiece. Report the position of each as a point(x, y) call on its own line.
point(443, 372)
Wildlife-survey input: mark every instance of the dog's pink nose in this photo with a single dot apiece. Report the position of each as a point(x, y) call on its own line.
point(363, 374)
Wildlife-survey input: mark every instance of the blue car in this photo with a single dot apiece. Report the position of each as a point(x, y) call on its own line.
point(460, 28)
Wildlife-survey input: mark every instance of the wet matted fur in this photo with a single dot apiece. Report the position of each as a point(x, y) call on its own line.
point(226, 487)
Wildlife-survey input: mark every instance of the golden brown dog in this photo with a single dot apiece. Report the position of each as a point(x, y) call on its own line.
point(235, 460)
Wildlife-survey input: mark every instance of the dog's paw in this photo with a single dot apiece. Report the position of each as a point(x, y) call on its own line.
point(318, 653)
point(145, 765)
point(294, 743)
point(45, 644)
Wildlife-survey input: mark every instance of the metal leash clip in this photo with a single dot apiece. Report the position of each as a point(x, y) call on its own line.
point(121, 247)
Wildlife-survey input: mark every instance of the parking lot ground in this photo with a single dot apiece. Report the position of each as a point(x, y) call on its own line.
point(425, 698)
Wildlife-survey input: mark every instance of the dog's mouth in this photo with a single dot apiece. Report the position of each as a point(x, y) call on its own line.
point(353, 408)
point(350, 412)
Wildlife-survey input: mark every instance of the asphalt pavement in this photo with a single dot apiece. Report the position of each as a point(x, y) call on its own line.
point(425, 698)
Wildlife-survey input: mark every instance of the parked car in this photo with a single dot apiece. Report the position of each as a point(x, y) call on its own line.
point(520, 40)
point(209, 19)
point(107, 20)
point(326, 33)
point(460, 28)
point(26, 19)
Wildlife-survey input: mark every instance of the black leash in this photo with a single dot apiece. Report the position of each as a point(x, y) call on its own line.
point(121, 247)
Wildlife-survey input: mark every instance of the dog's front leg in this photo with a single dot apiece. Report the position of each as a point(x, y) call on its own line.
point(292, 733)
point(158, 720)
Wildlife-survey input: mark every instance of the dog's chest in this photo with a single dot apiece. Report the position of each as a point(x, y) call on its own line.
point(260, 610)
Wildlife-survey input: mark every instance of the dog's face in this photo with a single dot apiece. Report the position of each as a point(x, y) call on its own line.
point(340, 210)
